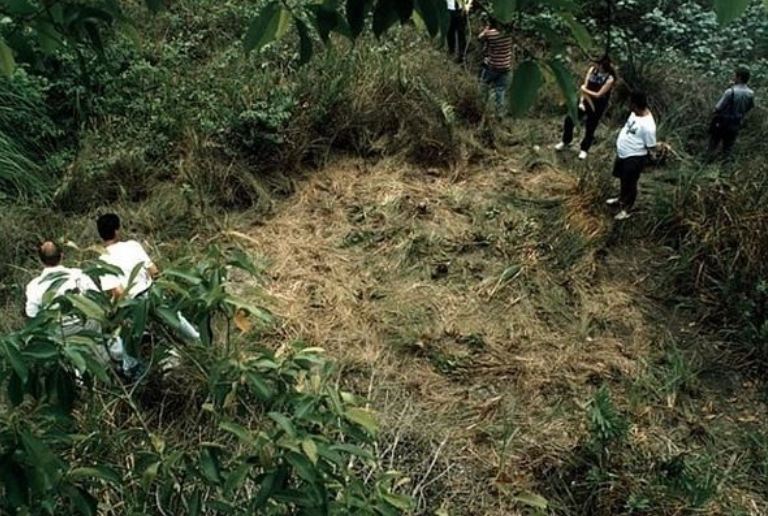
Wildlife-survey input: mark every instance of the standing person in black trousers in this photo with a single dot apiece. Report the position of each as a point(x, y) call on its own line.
point(633, 146)
point(595, 96)
point(736, 102)
point(457, 29)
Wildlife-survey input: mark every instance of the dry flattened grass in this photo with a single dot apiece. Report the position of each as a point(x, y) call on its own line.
point(472, 307)
point(382, 265)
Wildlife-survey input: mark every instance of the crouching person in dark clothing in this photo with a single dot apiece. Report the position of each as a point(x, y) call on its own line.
point(733, 106)
point(635, 140)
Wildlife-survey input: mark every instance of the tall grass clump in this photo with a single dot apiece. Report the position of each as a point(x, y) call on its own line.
point(370, 100)
point(26, 131)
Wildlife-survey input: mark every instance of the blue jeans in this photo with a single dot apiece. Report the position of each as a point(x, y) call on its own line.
point(498, 80)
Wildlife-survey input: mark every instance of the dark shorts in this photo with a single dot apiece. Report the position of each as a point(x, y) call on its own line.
point(628, 167)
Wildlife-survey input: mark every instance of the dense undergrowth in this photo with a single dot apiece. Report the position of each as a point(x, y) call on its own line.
point(192, 142)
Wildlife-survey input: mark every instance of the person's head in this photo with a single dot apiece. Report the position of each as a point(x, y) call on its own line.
point(50, 253)
point(108, 226)
point(493, 22)
point(638, 101)
point(604, 64)
point(742, 75)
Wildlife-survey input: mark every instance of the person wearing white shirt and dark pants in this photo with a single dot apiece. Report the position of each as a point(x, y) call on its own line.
point(132, 261)
point(636, 139)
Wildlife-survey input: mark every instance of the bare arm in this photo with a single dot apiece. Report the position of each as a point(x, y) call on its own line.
point(602, 91)
point(586, 77)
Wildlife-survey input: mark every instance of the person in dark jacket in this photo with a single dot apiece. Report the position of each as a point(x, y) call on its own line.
point(733, 106)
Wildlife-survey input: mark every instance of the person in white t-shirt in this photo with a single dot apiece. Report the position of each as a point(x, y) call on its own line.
point(55, 281)
point(137, 271)
point(636, 139)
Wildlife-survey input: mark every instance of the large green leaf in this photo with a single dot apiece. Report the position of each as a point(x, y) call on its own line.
point(730, 10)
point(284, 423)
point(88, 307)
point(14, 357)
point(209, 465)
point(265, 491)
point(302, 466)
point(357, 12)
point(7, 61)
point(363, 418)
point(19, 7)
point(84, 502)
point(100, 472)
point(533, 500)
point(305, 43)
point(580, 32)
point(42, 350)
point(564, 80)
point(238, 431)
point(526, 82)
point(310, 449)
point(325, 19)
point(264, 28)
point(503, 9)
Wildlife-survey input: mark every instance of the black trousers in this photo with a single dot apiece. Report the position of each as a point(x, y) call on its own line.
point(591, 121)
point(457, 34)
point(628, 171)
point(725, 132)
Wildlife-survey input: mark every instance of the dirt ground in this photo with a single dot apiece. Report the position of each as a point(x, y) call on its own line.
point(480, 310)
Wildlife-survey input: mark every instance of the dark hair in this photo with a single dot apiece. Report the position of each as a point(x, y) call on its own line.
point(639, 100)
point(108, 224)
point(50, 253)
point(606, 64)
point(743, 74)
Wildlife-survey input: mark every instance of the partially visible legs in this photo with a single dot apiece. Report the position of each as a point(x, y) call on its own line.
point(500, 92)
point(498, 81)
point(457, 35)
point(729, 136)
point(593, 117)
point(568, 127)
point(628, 170)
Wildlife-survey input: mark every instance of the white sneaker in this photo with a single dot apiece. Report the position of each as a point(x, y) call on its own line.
point(561, 146)
point(583, 155)
point(613, 201)
point(622, 215)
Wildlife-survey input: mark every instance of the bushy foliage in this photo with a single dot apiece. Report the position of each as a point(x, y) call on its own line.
point(235, 428)
point(662, 31)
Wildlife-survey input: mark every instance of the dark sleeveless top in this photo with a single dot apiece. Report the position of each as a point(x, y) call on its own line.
point(597, 80)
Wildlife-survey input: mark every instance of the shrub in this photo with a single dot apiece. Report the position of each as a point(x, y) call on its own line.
point(272, 432)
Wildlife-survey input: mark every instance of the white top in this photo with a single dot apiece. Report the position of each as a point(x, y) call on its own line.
point(52, 283)
point(126, 256)
point(455, 5)
point(637, 136)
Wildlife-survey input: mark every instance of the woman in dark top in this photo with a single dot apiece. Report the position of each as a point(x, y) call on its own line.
point(595, 95)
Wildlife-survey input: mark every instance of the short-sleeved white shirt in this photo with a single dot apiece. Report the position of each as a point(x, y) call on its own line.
point(68, 280)
point(126, 256)
point(637, 136)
